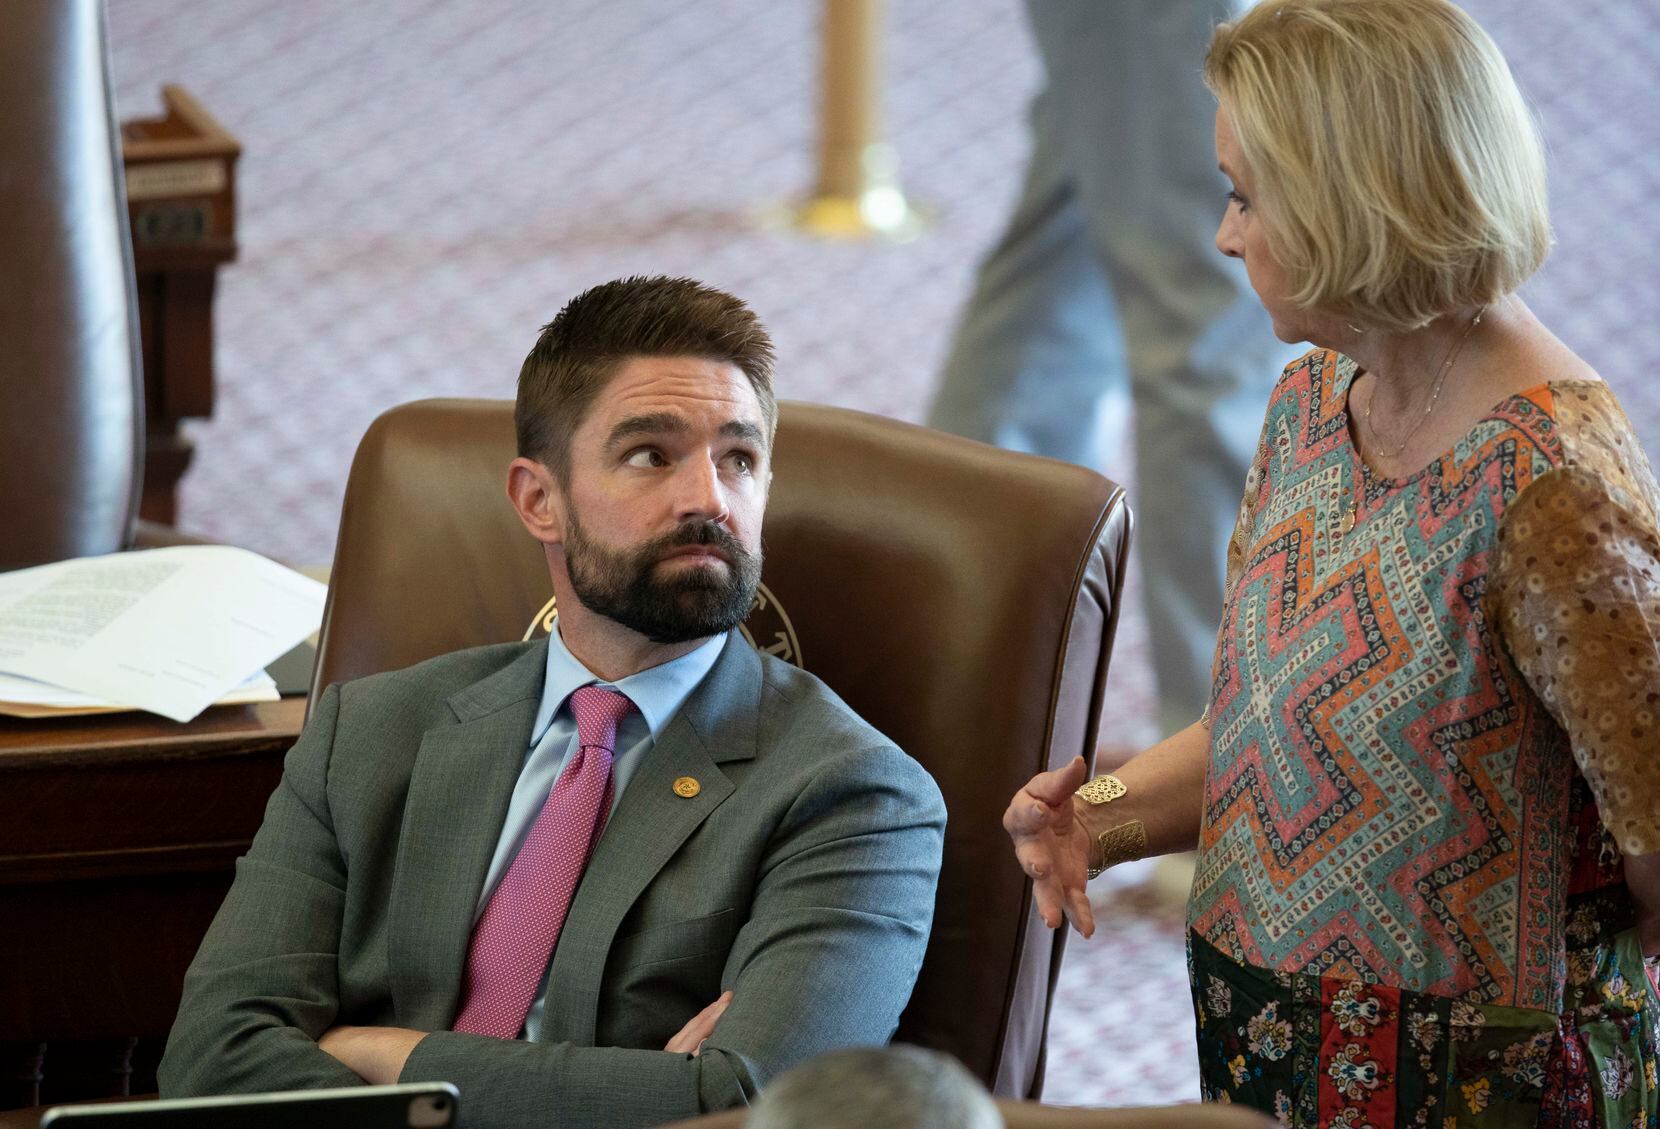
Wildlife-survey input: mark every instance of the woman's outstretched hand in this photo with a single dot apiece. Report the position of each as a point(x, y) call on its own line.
point(1052, 845)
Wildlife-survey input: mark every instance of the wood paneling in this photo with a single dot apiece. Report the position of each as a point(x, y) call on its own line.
point(118, 839)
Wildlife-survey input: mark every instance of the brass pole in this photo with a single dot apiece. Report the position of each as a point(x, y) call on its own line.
point(857, 193)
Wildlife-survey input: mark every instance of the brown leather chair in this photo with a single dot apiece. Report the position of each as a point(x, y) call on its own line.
point(1030, 1115)
point(70, 433)
point(70, 389)
point(960, 598)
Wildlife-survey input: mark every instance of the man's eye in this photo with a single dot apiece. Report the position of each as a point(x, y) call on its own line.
point(645, 457)
point(743, 461)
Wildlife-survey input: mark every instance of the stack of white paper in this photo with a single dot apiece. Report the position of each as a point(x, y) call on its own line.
point(171, 631)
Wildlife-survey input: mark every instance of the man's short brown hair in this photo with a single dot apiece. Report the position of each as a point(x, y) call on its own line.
point(581, 349)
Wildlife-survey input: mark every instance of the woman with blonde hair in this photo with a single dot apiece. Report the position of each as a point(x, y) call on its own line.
point(1425, 792)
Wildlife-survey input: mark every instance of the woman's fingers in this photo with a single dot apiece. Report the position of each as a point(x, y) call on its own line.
point(1056, 787)
point(1080, 912)
point(1045, 803)
point(1049, 906)
point(1041, 822)
point(1039, 855)
point(1057, 884)
point(1057, 903)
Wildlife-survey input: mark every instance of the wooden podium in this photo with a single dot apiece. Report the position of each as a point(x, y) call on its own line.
point(181, 205)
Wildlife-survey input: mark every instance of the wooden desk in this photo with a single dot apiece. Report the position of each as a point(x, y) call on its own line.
point(118, 838)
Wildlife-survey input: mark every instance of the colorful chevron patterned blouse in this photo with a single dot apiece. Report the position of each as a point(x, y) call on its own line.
point(1435, 725)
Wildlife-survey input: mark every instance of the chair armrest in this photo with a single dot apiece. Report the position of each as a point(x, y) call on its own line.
point(1030, 1115)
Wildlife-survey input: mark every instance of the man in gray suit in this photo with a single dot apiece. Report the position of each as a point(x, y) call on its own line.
point(618, 877)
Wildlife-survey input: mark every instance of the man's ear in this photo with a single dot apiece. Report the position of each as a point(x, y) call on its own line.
point(538, 499)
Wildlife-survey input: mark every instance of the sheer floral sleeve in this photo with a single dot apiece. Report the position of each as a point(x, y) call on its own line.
point(1577, 598)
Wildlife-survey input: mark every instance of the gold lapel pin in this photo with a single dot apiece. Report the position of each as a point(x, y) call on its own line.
point(686, 787)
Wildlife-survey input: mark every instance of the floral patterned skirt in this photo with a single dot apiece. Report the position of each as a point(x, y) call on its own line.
point(1322, 1051)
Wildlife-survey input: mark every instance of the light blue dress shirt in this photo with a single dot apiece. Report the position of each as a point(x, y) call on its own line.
point(657, 694)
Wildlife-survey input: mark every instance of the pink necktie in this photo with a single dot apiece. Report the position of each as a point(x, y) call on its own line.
point(516, 933)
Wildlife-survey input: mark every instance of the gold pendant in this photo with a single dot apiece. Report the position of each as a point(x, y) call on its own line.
point(1348, 523)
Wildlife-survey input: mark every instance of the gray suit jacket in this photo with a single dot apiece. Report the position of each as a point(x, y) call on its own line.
point(801, 876)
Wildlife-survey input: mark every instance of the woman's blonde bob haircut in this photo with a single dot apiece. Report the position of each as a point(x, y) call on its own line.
point(1395, 167)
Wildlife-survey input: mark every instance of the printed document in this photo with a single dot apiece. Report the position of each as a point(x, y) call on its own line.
point(165, 630)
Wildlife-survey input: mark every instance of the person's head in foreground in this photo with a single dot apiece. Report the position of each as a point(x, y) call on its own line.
point(897, 1087)
point(645, 417)
point(1387, 173)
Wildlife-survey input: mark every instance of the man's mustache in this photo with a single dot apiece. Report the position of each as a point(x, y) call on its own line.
point(698, 533)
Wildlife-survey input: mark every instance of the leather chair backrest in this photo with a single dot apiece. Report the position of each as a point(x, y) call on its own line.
point(70, 390)
point(961, 598)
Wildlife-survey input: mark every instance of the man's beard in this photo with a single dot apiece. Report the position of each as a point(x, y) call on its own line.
point(693, 603)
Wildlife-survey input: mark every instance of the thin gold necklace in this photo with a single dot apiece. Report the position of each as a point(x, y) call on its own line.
point(1456, 351)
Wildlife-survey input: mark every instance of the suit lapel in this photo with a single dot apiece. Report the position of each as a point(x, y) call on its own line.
point(458, 796)
point(717, 724)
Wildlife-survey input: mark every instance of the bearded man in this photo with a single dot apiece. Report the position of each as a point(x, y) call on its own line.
point(616, 877)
